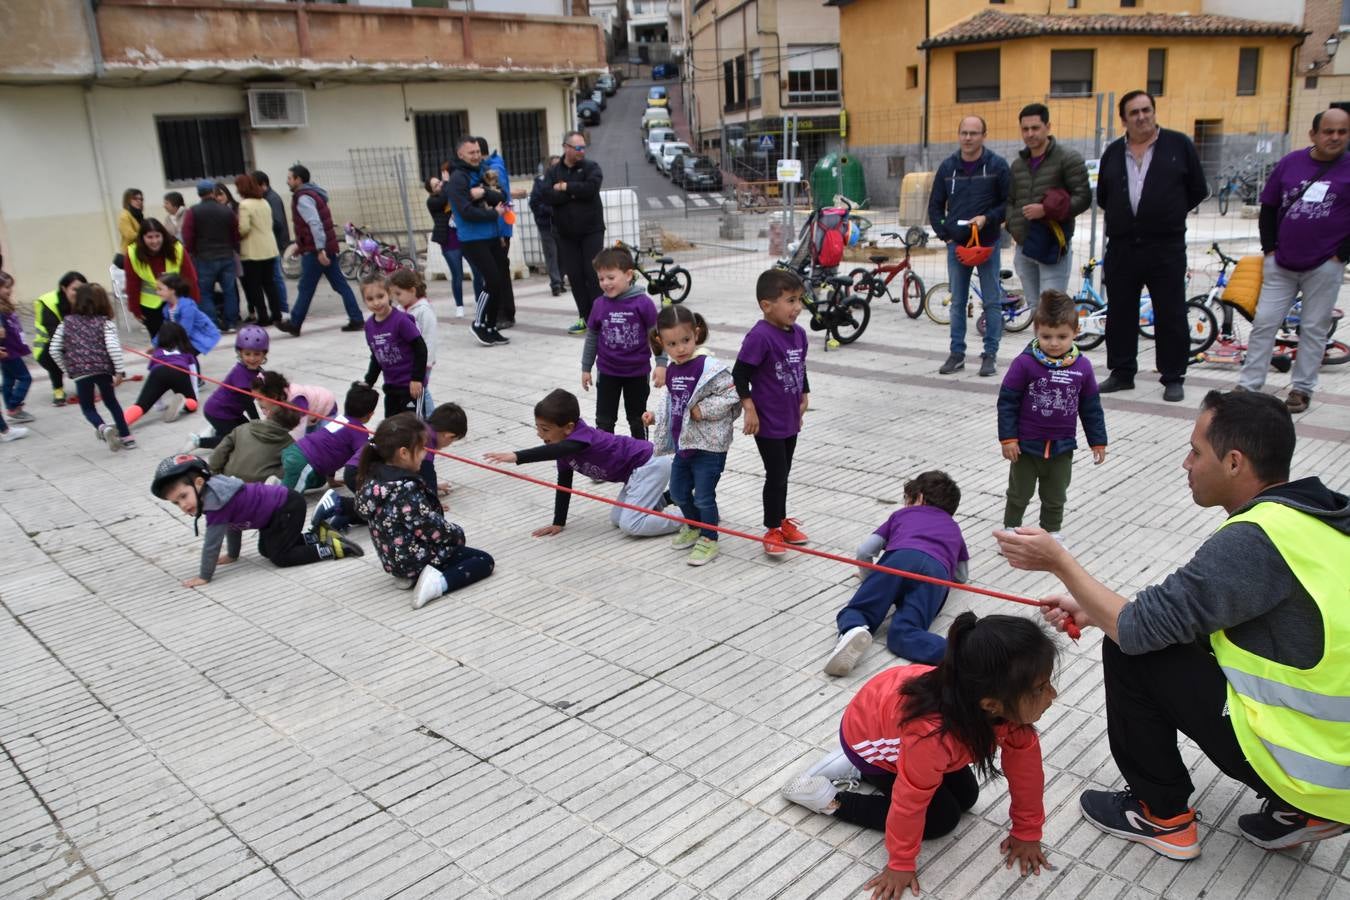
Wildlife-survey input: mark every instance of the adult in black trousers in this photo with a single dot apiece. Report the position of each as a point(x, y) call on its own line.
point(1150, 180)
point(578, 222)
point(476, 209)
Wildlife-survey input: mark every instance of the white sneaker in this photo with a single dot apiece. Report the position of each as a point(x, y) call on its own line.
point(271, 480)
point(109, 434)
point(193, 442)
point(835, 767)
point(428, 588)
point(815, 792)
point(173, 407)
point(459, 312)
point(848, 650)
point(15, 433)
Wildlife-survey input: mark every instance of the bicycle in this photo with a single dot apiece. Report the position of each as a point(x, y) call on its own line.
point(1015, 311)
point(1233, 344)
point(671, 285)
point(1235, 183)
point(843, 315)
point(875, 286)
point(1202, 325)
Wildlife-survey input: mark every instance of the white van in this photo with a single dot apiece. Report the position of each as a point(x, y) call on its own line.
point(656, 136)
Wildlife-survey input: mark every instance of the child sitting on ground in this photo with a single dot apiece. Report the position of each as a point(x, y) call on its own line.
point(409, 530)
point(316, 405)
point(410, 293)
point(696, 423)
point(576, 446)
point(253, 452)
point(312, 461)
point(231, 403)
point(396, 348)
point(231, 506)
point(920, 537)
point(1047, 387)
point(617, 344)
point(173, 368)
point(913, 732)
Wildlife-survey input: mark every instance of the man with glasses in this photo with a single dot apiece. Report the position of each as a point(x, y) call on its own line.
point(578, 222)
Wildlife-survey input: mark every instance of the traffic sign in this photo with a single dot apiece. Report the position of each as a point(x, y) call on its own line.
point(766, 142)
point(790, 171)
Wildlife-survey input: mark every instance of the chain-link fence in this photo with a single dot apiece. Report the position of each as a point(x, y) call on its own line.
point(376, 188)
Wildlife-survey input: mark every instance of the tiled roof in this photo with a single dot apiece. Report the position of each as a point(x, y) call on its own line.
point(993, 25)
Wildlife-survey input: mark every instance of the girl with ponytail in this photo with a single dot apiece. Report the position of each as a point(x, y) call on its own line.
point(919, 734)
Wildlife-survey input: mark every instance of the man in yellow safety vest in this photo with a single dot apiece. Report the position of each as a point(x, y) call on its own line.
point(1245, 649)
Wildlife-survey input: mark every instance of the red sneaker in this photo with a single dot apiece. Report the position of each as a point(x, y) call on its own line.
point(791, 533)
point(773, 542)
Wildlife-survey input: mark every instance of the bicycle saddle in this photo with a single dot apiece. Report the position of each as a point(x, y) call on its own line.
point(879, 259)
point(665, 260)
point(1005, 274)
point(840, 280)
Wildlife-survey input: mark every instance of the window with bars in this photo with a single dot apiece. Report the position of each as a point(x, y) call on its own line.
point(813, 74)
point(1071, 72)
point(195, 147)
point(1249, 62)
point(437, 134)
point(977, 75)
point(1157, 67)
point(524, 139)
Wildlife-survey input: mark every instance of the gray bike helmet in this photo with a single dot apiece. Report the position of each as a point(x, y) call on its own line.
point(171, 468)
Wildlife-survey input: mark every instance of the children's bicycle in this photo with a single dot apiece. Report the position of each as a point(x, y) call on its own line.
point(670, 284)
point(371, 255)
point(937, 305)
point(872, 285)
point(843, 315)
point(1201, 324)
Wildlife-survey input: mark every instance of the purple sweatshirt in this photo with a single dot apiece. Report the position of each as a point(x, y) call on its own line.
point(227, 404)
point(607, 457)
point(14, 345)
point(328, 447)
point(620, 326)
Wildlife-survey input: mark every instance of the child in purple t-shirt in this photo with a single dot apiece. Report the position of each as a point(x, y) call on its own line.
point(617, 344)
point(920, 537)
point(577, 447)
point(231, 506)
point(396, 348)
point(1048, 387)
point(770, 377)
point(231, 403)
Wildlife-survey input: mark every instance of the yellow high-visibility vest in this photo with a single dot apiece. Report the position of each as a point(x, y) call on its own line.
point(149, 299)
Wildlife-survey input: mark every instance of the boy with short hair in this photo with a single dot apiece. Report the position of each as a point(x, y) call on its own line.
point(577, 446)
point(920, 537)
point(617, 344)
point(1047, 387)
point(770, 376)
point(231, 506)
point(312, 461)
point(253, 451)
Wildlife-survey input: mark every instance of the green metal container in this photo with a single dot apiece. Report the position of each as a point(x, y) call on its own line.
point(838, 175)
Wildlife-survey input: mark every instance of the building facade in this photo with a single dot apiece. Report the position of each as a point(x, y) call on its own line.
point(1321, 78)
point(156, 94)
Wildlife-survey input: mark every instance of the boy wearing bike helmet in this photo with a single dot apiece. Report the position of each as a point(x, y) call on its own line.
point(231, 506)
point(231, 404)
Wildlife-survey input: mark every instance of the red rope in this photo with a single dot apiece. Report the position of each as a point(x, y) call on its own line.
point(1070, 627)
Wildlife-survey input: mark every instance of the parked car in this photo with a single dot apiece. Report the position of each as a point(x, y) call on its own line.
point(598, 97)
point(670, 150)
point(588, 112)
point(665, 70)
point(607, 83)
point(655, 114)
point(656, 136)
point(697, 173)
point(657, 96)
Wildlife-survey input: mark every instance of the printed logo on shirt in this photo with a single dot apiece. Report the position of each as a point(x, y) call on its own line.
point(1310, 201)
point(1055, 393)
point(788, 371)
point(386, 349)
point(885, 750)
point(621, 330)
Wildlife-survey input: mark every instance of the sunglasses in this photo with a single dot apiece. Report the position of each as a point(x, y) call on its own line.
point(580, 148)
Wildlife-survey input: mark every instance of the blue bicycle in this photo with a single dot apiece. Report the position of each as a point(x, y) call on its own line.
point(937, 305)
point(1200, 320)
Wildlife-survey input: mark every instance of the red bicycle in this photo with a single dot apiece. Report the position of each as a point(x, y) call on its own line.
point(876, 283)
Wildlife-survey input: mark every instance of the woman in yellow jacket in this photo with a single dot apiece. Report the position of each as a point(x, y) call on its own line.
point(130, 218)
point(257, 251)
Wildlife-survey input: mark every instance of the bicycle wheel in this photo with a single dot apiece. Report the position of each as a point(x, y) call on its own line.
point(677, 283)
point(913, 295)
point(937, 303)
point(1091, 323)
point(850, 319)
point(406, 261)
point(863, 284)
point(1338, 354)
point(1020, 314)
point(1223, 201)
point(349, 264)
point(1201, 326)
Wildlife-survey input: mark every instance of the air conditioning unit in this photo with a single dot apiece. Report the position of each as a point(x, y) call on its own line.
point(277, 108)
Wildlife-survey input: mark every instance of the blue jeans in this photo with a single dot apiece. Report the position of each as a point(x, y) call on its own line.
point(15, 381)
point(455, 260)
point(84, 389)
point(209, 273)
point(916, 603)
point(280, 280)
point(310, 270)
point(959, 277)
point(693, 487)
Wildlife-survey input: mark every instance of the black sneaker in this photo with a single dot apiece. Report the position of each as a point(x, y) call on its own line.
point(354, 326)
point(497, 337)
point(289, 328)
point(1122, 814)
point(1174, 393)
point(482, 335)
point(1277, 827)
point(987, 367)
point(955, 363)
point(1115, 383)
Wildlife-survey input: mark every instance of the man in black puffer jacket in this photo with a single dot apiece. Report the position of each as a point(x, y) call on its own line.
point(578, 222)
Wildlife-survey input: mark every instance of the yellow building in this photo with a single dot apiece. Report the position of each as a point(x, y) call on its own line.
point(1222, 79)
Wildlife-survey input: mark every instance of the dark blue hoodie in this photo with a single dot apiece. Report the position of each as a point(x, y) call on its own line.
point(959, 196)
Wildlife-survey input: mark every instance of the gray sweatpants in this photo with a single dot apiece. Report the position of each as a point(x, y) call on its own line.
point(644, 488)
point(1279, 287)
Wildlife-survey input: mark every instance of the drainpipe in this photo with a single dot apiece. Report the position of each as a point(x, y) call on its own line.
point(927, 82)
point(95, 144)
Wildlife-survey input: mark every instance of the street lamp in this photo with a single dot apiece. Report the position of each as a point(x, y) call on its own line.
point(1330, 45)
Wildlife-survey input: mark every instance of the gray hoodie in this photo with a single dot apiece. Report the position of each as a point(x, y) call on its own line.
point(218, 491)
point(1237, 581)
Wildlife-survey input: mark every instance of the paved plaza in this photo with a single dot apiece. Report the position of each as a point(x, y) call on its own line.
point(597, 719)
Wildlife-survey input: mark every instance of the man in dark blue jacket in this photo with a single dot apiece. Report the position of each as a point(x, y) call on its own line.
point(543, 220)
point(970, 191)
point(476, 209)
